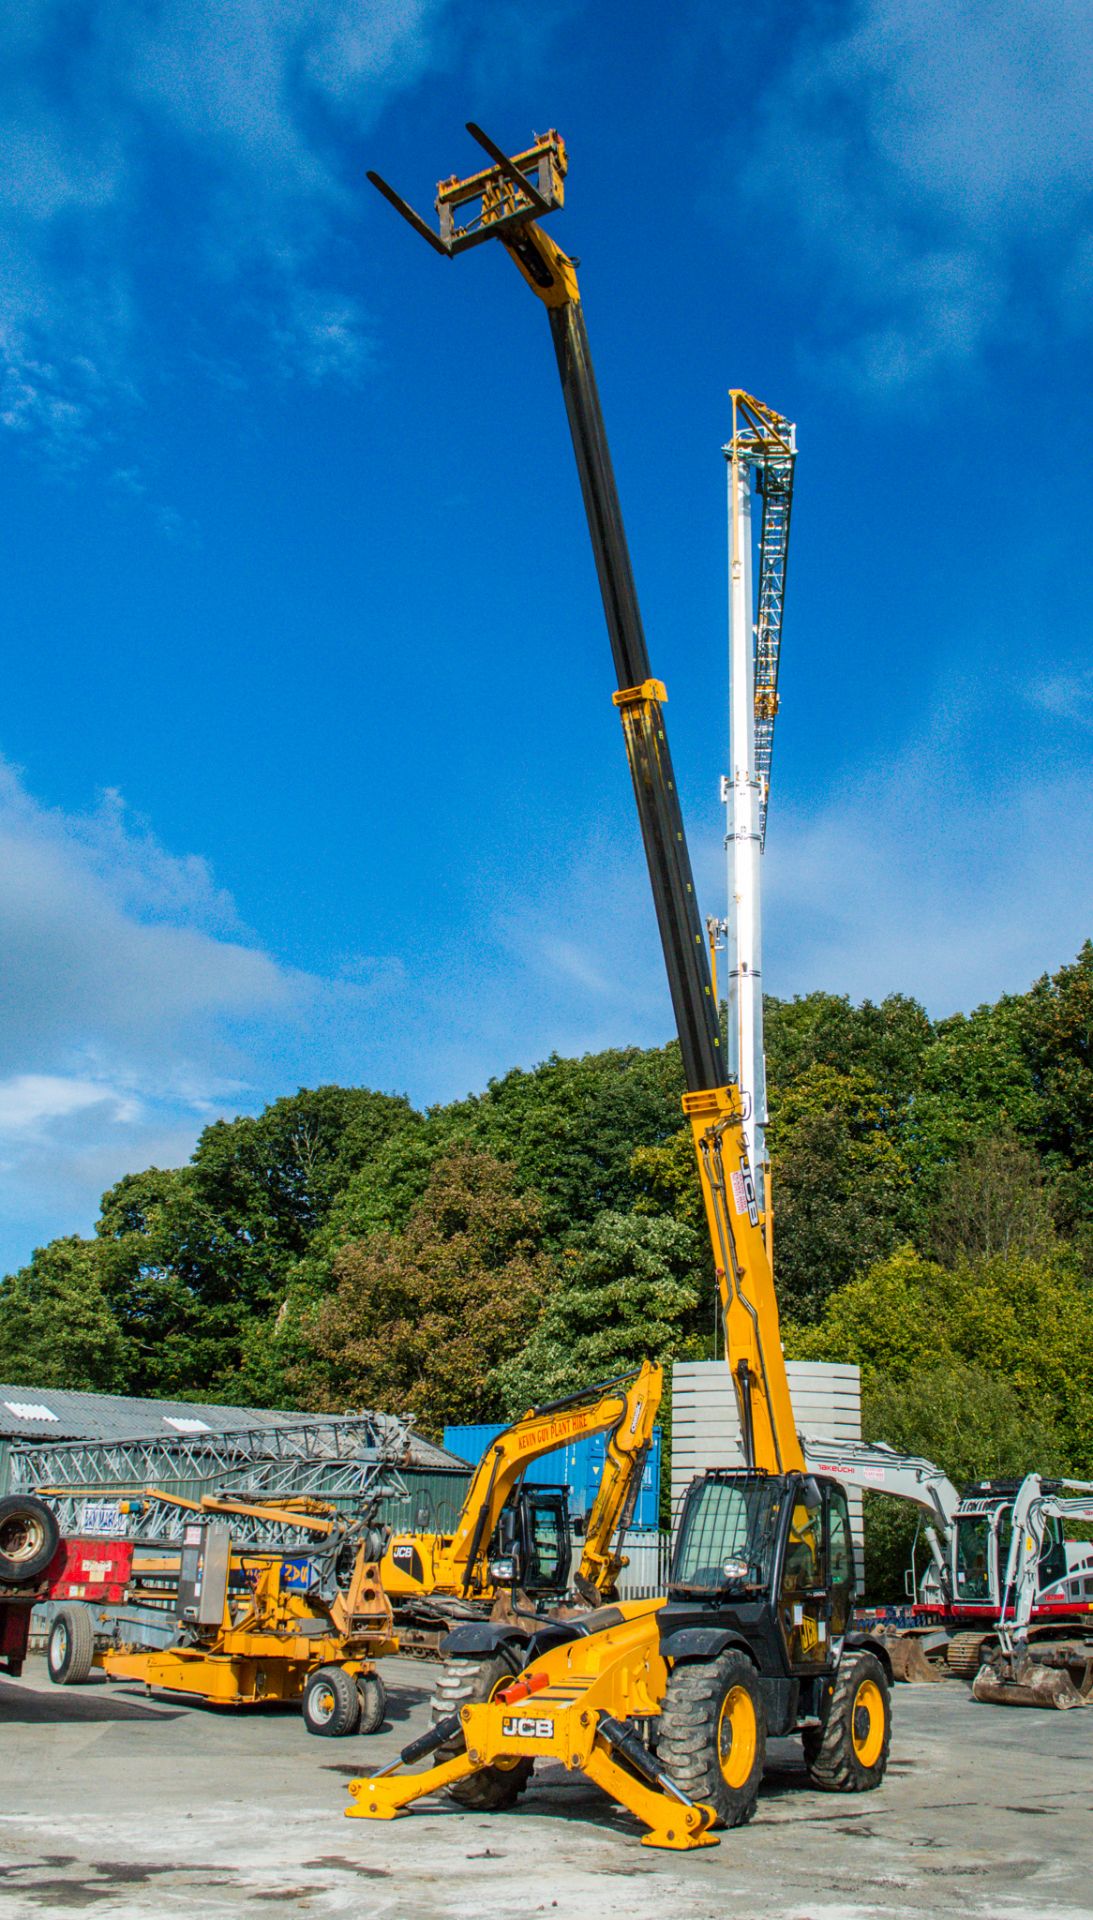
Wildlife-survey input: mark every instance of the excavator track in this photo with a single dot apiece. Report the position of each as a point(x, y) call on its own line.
point(964, 1654)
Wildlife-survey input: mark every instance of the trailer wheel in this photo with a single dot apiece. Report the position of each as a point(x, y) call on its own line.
point(29, 1538)
point(463, 1683)
point(712, 1734)
point(373, 1699)
point(70, 1649)
point(849, 1753)
point(331, 1703)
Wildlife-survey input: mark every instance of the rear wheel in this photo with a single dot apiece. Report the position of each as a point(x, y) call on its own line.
point(373, 1699)
point(331, 1703)
point(70, 1649)
point(463, 1683)
point(29, 1538)
point(849, 1753)
point(712, 1735)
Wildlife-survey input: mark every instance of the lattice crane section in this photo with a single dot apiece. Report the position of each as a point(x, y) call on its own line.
point(768, 443)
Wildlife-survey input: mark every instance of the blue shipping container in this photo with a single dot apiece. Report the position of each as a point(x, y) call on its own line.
point(578, 1466)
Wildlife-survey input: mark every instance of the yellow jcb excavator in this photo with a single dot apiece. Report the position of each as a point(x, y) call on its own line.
point(511, 1549)
point(665, 1704)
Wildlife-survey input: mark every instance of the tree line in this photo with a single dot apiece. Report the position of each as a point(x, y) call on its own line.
point(933, 1204)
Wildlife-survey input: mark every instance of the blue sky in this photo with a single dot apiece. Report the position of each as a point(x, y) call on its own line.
point(310, 769)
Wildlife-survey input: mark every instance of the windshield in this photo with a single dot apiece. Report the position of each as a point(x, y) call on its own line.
point(726, 1520)
point(973, 1548)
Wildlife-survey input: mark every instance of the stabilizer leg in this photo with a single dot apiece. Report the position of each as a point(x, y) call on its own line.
point(670, 1823)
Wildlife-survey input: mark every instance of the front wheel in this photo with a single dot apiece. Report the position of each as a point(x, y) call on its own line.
point(712, 1736)
point(463, 1683)
point(849, 1752)
point(331, 1703)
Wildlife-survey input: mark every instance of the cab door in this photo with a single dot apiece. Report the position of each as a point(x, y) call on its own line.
point(841, 1581)
point(803, 1600)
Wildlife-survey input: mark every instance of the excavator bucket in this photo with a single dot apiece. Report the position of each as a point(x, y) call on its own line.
point(1003, 1681)
point(909, 1659)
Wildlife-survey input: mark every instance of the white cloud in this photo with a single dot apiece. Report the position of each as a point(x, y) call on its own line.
point(925, 165)
point(1066, 695)
point(136, 1008)
point(244, 101)
point(929, 876)
point(27, 1100)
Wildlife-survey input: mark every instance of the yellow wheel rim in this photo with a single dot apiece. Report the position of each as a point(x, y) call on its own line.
point(867, 1723)
point(736, 1734)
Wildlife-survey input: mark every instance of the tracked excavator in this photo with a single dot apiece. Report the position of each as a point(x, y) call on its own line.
point(665, 1704)
point(1041, 1652)
point(511, 1550)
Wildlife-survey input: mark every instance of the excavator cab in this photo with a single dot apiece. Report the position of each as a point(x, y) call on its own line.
point(533, 1546)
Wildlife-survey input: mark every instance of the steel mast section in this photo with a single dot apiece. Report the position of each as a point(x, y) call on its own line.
point(761, 456)
point(503, 201)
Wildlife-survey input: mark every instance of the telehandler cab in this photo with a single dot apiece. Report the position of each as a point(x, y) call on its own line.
point(665, 1704)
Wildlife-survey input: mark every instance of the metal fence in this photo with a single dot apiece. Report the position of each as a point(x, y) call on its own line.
point(646, 1578)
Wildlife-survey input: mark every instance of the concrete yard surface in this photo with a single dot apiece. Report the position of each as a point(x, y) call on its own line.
point(116, 1804)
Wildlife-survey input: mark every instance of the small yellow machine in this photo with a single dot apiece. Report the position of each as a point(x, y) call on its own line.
point(666, 1704)
point(254, 1625)
point(512, 1547)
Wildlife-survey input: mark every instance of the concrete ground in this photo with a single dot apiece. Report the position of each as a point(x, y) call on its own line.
point(114, 1804)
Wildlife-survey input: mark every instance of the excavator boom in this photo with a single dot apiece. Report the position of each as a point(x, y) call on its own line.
point(625, 1409)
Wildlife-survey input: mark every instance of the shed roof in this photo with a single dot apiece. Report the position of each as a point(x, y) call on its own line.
point(30, 1414)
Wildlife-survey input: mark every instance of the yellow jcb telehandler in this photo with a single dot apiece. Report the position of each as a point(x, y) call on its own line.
point(666, 1704)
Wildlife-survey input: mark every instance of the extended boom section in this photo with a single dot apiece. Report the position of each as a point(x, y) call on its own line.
point(665, 1704)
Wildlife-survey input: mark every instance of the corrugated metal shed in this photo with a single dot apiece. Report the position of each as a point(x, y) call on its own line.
point(578, 1466)
point(54, 1413)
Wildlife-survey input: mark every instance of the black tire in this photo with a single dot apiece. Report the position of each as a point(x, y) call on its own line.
point(373, 1698)
point(461, 1683)
point(331, 1703)
point(849, 1752)
point(70, 1649)
point(29, 1538)
point(712, 1734)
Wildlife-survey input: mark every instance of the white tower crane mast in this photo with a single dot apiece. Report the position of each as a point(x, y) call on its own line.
point(761, 457)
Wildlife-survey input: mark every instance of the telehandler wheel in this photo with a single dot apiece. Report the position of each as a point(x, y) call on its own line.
point(70, 1649)
point(712, 1736)
point(849, 1753)
point(373, 1698)
point(461, 1683)
point(331, 1703)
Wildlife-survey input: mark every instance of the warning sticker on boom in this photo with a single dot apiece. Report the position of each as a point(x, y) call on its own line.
point(743, 1194)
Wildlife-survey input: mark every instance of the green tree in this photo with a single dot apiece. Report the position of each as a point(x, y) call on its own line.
point(1056, 1019)
point(420, 1320)
point(626, 1291)
point(1028, 1321)
point(57, 1328)
point(888, 1043)
point(843, 1192)
point(972, 1423)
point(992, 1198)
